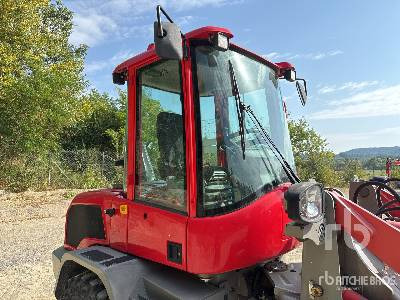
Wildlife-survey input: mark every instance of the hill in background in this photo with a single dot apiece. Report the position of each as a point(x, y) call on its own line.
point(362, 153)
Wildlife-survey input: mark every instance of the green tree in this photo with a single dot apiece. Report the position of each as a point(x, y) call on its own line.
point(100, 123)
point(40, 75)
point(352, 168)
point(118, 136)
point(41, 79)
point(313, 159)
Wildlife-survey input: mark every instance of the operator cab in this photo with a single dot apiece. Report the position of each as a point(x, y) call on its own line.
point(208, 153)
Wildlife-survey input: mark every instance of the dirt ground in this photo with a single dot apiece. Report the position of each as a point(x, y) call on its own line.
point(31, 226)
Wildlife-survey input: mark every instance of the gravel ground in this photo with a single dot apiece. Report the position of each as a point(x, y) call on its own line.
point(31, 227)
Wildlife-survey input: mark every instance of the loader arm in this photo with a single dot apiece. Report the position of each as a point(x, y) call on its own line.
point(384, 238)
point(350, 249)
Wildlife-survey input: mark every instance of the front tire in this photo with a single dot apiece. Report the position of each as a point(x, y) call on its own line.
point(85, 285)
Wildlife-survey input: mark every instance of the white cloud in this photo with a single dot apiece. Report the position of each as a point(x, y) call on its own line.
point(312, 56)
point(95, 66)
point(91, 29)
point(185, 20)
point(350, 86)
point(98, 20)
point(119, 57)
point(379, 102)
point(272, 55)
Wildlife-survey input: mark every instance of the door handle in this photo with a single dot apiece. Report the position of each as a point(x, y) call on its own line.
point(109, 211)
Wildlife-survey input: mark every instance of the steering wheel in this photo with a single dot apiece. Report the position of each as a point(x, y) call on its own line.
point(383, 208)
point(378, 190)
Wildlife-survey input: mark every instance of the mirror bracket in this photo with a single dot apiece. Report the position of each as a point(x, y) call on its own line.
point(160, 30)
point(302, 91)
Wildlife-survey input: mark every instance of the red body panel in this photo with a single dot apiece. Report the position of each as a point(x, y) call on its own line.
point(387, 197)
point(149, 229)
point(205, 32)
point(239, 239)
point(102, 198)
point(118, 225)
point(190, 132)
point(353, 217)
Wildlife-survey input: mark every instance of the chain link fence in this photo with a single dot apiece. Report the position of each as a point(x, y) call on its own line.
point(84, 168)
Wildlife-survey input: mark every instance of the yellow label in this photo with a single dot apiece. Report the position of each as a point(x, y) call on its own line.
point(123, 209)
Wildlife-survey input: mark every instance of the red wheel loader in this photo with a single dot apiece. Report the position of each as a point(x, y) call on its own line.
point(211, 199)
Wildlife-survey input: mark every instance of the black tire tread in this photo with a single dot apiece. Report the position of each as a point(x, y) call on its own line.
point(85, 285)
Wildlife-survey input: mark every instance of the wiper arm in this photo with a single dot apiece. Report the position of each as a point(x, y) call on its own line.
point(282, 160)
point(240, 108)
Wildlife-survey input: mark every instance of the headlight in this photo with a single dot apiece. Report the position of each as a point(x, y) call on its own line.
point(304, 202)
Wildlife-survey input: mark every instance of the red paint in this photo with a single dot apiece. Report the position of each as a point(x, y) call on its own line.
point(284, 66)
point(207, 31)
point(388, 167)
point(190, 137)
point(387, 197)
point(352, 295)
point(149, 229)
point(395, 224)
point(87, 242)
point(130, 176)
point(102, 198)
point(202, 33)
point(239, 239)
point(118, 225)
point(210, 245)
point(382, 233)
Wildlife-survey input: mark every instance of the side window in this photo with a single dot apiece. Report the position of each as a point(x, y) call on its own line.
point(160, 150)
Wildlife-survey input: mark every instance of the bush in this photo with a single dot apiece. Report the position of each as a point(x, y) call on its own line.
point(65, 169)
point(312, 157)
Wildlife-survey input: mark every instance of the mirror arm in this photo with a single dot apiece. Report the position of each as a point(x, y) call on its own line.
point(160, 29)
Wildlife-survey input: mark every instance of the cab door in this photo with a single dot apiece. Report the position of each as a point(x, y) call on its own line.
point(158, 216)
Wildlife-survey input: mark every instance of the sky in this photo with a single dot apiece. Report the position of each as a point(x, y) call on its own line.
point(347, 50)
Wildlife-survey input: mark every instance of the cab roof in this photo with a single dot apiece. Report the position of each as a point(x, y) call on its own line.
point(200, 33)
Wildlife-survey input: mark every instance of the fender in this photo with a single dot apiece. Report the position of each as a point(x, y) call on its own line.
point(129, 277)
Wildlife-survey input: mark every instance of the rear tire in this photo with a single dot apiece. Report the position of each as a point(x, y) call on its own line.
point(85, 285)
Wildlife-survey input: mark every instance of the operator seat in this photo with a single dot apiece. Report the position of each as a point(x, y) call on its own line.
point(170, 143)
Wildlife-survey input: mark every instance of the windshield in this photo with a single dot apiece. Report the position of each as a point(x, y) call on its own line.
point(229, 179)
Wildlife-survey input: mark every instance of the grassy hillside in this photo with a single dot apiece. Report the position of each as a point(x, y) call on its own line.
point(363, 153)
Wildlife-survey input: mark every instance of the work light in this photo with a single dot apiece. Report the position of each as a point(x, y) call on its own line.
point(304, 202)
point(290, 75)
point(220, 41)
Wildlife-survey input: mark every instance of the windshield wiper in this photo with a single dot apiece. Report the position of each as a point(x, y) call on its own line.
point(240, 108)
point(278, 154)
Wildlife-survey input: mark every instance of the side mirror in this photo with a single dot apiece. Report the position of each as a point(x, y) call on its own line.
point(167, 37)
point(168, 44)
point(301, 87)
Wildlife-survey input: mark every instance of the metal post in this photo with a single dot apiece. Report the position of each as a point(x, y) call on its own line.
point(102, 164)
